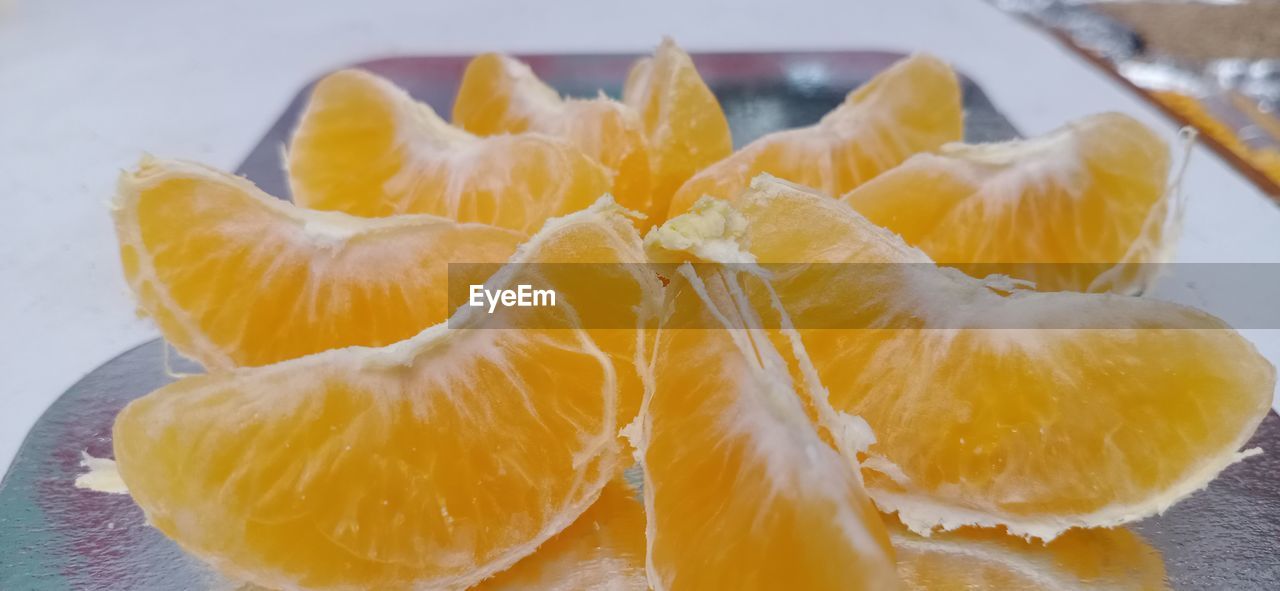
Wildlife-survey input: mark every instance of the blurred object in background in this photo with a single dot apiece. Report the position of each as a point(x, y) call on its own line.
point(1213, 64)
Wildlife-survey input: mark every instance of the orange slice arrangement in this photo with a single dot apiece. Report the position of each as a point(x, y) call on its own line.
point(431, 463)
point(970, 391)
point(802, 367)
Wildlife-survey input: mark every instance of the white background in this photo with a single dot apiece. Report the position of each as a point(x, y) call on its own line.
point(87, 85)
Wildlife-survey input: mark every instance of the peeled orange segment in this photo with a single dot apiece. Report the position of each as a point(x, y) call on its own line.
point(911, 107)
point(501, 95)
point(364, 147)
point(988, 560)
point(712, 239)
point(603, 549)
point(741, 491)
point(993, 405)
point(1066, 210)
point(616, 295)
point(432, 463)
point(234, 277)
point(686, 129)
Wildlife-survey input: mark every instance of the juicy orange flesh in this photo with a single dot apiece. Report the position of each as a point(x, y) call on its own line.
point(259, 286)
point(987, 559)
point(911, 107)
point(233, 476)
point(601, 294)
point(498, 95)
point(990, 449)
point(597, 269)
point(392, 469)
point(742, 492)
point(1081, 194)
point(434, 462)
point(1018, 422)
point(683, 122)
point(603, 549)
point(365, 148)
point(346, 149)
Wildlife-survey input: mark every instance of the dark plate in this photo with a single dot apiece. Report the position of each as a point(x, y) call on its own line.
point(54, 536)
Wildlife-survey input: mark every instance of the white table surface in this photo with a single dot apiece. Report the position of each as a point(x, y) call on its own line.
point(87, 85)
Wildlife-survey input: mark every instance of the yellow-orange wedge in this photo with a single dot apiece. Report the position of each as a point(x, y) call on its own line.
point(974, 559)
point(433, 463)
point(911, 107)
point(686, 129)
point(603, 549)
point(741, 491)
point(365, 147)
point(1062, 210)
point(234, 277)
point(992, 405)
point(501, 95)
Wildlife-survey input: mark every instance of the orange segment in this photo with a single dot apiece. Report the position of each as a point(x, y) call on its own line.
point(432, 463)
point(1091, 192)
point(234, 277)
point(997, 406)
point(911, 107)
point(686, 129)
point(603, 549)
point(615, 301)
point(987, 560)
point(740, 490)
point(500, 95)
point(364, 147)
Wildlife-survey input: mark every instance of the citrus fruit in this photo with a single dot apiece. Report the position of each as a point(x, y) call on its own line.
point(993, 405)
point(603, 549)
point(501, 95)
point(431, 463)
point(972, 559)
point(741, 491)
point(911, 107)
point(686, 129)
point(234, 277)
point(364, 147)
point(1061, 210)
